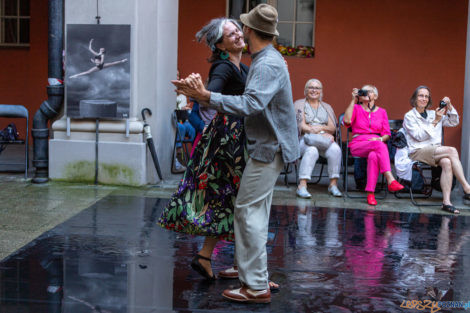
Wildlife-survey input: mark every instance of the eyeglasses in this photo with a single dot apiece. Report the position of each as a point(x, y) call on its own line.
point(314, 88)
point(233, 34)
point(423, 96)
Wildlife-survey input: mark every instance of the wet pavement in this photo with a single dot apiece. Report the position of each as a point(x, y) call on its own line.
point(112, 257)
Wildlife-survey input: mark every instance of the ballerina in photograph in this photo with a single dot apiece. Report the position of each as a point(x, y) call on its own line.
point(98, 60)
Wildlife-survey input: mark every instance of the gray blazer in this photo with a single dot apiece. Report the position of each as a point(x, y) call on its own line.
point(270, 122)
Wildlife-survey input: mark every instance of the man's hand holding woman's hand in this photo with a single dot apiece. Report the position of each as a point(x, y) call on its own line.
point(193, 87)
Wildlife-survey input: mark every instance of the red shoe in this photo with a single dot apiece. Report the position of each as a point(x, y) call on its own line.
point(245, 294)
point(371, 199)
point(395, 186)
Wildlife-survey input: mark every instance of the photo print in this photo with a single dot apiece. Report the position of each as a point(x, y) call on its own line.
point(97, 71)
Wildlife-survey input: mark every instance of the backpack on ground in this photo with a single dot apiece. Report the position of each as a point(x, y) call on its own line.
point(8, 134)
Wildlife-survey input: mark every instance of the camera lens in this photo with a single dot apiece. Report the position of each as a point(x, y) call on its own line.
point(442, 104)
point(362, 93)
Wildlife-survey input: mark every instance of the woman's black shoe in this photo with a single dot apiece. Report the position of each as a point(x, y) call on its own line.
point(450, 209)
point(199, 268)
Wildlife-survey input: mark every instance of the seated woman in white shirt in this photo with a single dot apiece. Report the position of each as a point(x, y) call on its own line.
point(424, 134)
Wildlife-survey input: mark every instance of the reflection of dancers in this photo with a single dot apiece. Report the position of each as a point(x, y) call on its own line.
point(94, 308)
point(98, 60)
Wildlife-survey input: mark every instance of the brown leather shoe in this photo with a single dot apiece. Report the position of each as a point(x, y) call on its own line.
point(229, 273)
point(245, 294)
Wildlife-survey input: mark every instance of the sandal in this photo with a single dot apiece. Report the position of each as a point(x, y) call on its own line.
point(450, 209)
point(272, 287)
point(199, 268)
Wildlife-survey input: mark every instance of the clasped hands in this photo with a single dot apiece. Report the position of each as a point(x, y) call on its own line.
point(193, 87)
point(316, 129)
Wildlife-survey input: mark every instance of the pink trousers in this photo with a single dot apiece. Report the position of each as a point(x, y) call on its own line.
point(378, 159)
point(196, 140)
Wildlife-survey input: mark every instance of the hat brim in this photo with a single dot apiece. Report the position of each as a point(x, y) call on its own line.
point(245, 21)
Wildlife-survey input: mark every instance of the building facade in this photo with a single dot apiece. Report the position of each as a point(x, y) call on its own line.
point(394, 45)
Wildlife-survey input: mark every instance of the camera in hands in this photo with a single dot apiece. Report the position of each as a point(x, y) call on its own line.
point(362, 93)
point(442, 104)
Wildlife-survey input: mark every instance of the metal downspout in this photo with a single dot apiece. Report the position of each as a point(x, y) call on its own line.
point(51, 107)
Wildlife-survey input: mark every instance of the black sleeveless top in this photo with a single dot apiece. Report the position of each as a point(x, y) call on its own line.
point(226, 78)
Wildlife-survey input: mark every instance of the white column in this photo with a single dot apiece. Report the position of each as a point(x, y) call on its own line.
point(465, 144)
point(125, 159)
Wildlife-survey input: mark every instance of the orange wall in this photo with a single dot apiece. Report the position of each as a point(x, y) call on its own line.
point(393, 44)
point(193, 15)
point(23, 76)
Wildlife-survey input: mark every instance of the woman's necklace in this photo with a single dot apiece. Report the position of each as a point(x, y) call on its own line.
point(370, 112)
point(371, 109)
point(314, 111)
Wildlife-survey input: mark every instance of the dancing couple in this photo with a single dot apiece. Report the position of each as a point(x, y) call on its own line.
point(220, 196)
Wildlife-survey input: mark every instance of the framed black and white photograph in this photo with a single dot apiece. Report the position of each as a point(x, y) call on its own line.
point(97, 71)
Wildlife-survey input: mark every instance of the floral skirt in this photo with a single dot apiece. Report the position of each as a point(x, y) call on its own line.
point(204, 202)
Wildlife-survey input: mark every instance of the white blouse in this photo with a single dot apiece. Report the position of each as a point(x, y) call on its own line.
point(420, 131)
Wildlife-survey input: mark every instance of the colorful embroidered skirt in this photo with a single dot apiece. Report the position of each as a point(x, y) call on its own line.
point(204, 202)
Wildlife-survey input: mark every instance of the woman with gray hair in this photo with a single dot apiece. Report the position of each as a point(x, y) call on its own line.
point(316, 123)
point(370, 130)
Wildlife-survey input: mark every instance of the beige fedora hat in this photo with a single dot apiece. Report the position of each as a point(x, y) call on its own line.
point(262, 18)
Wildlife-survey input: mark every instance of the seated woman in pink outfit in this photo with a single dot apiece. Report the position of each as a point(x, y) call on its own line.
point(370, 130)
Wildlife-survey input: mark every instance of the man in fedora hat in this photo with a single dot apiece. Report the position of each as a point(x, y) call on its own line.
point(271, 131)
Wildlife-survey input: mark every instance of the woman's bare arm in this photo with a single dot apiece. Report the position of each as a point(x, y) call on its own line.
point(348, 113)
point(330, 127)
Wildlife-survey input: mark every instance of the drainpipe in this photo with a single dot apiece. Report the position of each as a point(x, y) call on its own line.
point(51, 107)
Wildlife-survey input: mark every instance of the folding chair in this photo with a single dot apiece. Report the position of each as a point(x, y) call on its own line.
point(179, 139)
point(288, 167)
point(17, 111)
point(346, 163)
point(421, 168)
point(315, 179)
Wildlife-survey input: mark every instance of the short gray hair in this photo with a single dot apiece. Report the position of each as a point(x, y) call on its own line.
point(374, 89)
point(213, 32)
point(313, 80)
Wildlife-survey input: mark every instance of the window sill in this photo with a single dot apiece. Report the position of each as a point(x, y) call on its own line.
point(14, 46)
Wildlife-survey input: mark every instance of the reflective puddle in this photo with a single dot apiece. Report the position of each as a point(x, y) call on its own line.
point(112, 257)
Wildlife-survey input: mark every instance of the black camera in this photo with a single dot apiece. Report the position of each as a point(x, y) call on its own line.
point(362, 93)
point(442, 104)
